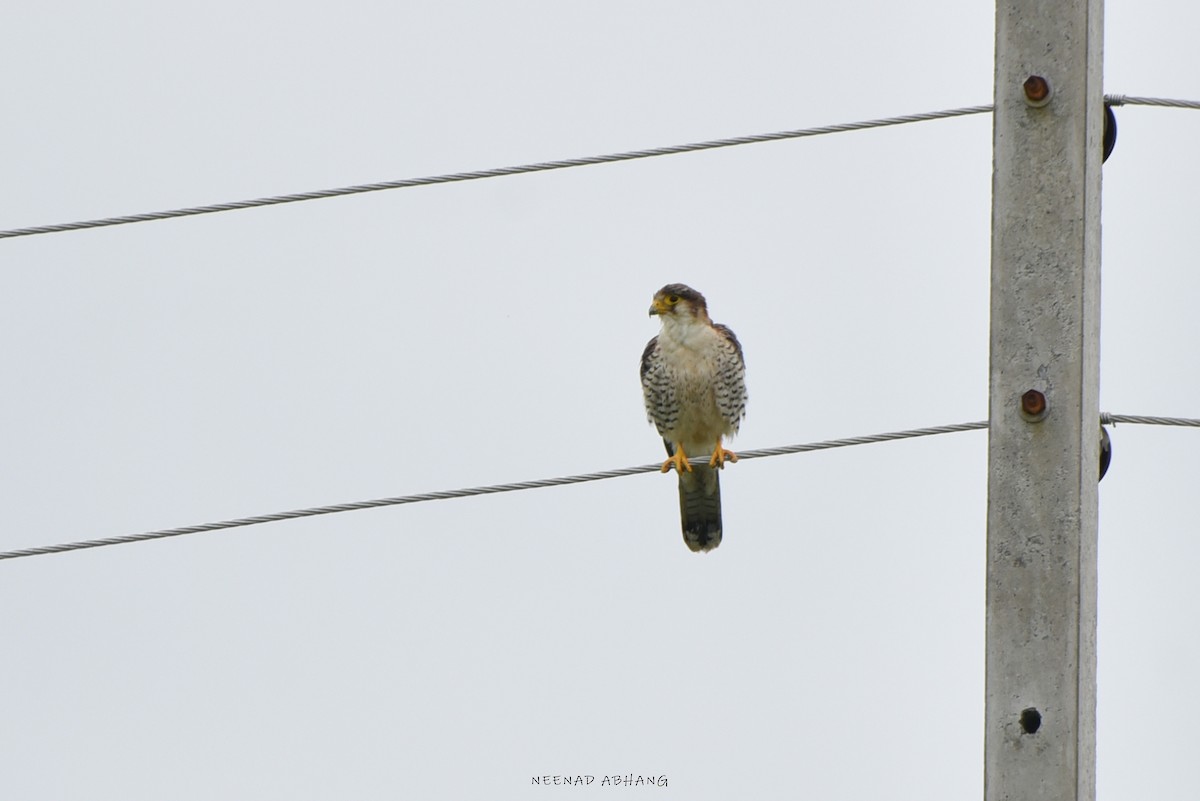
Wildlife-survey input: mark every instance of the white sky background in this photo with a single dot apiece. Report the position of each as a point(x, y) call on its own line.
point(180, 372)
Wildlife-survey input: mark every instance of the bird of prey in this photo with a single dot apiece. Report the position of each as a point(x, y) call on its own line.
point(694, 384)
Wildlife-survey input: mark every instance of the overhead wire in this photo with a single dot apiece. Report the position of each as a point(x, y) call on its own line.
point(1106, 418)
point(629, 155)
point(497, 172)
point(471, 491)
point(1160, 102)
point(492, 489)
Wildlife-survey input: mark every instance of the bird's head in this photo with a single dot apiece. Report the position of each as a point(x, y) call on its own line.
point(679, 302)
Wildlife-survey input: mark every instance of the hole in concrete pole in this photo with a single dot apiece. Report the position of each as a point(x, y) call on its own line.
point(1031, 720)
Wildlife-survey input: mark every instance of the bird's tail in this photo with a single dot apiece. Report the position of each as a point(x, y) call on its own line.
point(700, 507)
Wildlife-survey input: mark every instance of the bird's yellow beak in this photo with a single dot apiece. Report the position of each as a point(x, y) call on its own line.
point(657, 307)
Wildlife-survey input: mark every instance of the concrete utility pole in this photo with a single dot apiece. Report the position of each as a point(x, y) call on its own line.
point(1043, 442)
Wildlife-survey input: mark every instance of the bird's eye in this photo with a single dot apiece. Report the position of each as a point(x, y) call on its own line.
point(672, 299)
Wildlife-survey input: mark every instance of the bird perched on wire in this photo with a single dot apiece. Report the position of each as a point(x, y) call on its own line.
point(694, 384)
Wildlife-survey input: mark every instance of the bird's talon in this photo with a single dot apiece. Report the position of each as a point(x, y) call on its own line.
point(678, 460)
point(720, 455)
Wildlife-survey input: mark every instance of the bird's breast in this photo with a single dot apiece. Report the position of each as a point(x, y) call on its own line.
point(690, 368)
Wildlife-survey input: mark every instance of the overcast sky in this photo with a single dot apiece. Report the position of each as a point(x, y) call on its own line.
point(171, 373)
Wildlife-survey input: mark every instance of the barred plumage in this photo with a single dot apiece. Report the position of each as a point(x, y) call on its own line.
point(693, 382)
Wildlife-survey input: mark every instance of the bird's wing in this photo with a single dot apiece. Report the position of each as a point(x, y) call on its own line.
point(730, 380)
point(662, 406)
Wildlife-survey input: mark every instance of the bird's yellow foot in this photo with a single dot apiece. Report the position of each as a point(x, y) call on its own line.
point(678, 460)
point(719, 456)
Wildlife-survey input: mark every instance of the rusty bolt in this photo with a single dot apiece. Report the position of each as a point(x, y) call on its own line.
point(1033, 406)
point(1037, 91)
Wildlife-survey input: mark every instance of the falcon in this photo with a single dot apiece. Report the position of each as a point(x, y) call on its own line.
point(694, 385)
